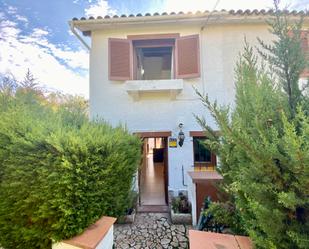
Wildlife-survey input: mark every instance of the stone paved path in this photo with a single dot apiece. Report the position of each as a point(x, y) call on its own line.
point(150, 231)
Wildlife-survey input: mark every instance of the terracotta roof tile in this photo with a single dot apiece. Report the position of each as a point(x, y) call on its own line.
point(223, 11)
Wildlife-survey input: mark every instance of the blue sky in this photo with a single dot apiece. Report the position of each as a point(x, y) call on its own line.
point(35, 34)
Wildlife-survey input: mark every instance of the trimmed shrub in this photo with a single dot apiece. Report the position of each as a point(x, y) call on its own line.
point(180, 204)
point(225, 215)
point(57, 176)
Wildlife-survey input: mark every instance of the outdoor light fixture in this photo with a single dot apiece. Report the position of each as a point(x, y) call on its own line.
point(181, 135)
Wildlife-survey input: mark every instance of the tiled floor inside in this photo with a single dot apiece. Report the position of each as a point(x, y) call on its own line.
point(152, 184)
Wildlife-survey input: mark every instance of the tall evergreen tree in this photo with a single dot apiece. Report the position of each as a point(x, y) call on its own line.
point(29, 82)
point(286, 56)
point(264, 142)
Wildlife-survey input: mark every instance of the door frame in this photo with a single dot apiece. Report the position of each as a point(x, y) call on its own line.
point(155, 134)
point(166, 169)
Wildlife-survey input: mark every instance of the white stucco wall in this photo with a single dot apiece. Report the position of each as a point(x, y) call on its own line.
point(108, 240)
point(62, 245)
point(220, 46)
point(192, 198)
point(106, 243)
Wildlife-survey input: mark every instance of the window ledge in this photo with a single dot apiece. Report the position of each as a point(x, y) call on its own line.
point(200, 176)
point(135, 87)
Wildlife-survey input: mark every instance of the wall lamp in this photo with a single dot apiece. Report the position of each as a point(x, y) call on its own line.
point(181, 135)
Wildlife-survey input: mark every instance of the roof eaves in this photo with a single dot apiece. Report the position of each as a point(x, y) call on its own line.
point(223, 11)
point(236, 16)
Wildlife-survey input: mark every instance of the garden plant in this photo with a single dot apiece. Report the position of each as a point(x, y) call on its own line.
point(263, 143)
point(59, 172)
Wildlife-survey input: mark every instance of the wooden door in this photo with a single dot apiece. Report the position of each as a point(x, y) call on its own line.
point(204, 189)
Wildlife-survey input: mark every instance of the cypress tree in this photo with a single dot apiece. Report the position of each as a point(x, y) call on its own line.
point(264, 141)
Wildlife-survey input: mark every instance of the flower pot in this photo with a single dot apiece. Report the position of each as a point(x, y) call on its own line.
point(127, 219)
point(181, 218)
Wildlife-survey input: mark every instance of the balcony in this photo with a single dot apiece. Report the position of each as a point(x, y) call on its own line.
point(136, 87)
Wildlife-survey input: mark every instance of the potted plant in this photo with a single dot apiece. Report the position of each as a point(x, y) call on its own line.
point(181, 210)
point(129, 214)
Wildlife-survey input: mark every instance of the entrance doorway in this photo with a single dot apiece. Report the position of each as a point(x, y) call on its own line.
point(153, 175)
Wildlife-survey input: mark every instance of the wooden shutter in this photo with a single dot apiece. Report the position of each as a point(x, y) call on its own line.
point(120, 59)
point(187, 57)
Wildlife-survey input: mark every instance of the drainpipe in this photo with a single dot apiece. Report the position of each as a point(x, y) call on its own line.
point(201, 42)
point(78, 36)
point(202, 59)
point(183, 177)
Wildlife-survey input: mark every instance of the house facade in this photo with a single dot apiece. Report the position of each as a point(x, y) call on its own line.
point(144, 70)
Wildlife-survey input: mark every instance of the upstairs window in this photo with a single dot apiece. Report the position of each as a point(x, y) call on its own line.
point(154, 57)
point(154, 63)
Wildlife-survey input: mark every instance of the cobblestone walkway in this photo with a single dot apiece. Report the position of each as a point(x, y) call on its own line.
point(150, 231)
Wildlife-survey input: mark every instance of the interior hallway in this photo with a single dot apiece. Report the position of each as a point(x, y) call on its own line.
point(152, 180)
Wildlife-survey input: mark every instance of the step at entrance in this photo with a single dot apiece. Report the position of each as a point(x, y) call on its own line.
point(153, 209)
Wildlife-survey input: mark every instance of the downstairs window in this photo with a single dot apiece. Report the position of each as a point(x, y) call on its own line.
point(204, 159)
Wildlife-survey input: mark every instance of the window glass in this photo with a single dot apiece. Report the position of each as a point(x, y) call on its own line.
point(201, 153)
point(154, 63)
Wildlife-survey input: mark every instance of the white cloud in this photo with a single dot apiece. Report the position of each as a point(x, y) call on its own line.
point(39, 33)
point(54, 66)
point(73, 59)
point(21, 18)
point(11, 10)
point(301, 4)
point(1, 15)
point(100, 8)
point(8, 29)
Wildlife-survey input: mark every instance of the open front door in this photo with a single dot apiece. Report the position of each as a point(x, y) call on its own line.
point(153, 172)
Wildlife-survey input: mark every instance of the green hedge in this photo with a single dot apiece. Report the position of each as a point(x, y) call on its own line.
point(58, 177)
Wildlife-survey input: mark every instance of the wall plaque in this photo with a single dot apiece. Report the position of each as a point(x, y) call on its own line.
point(172, 142)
